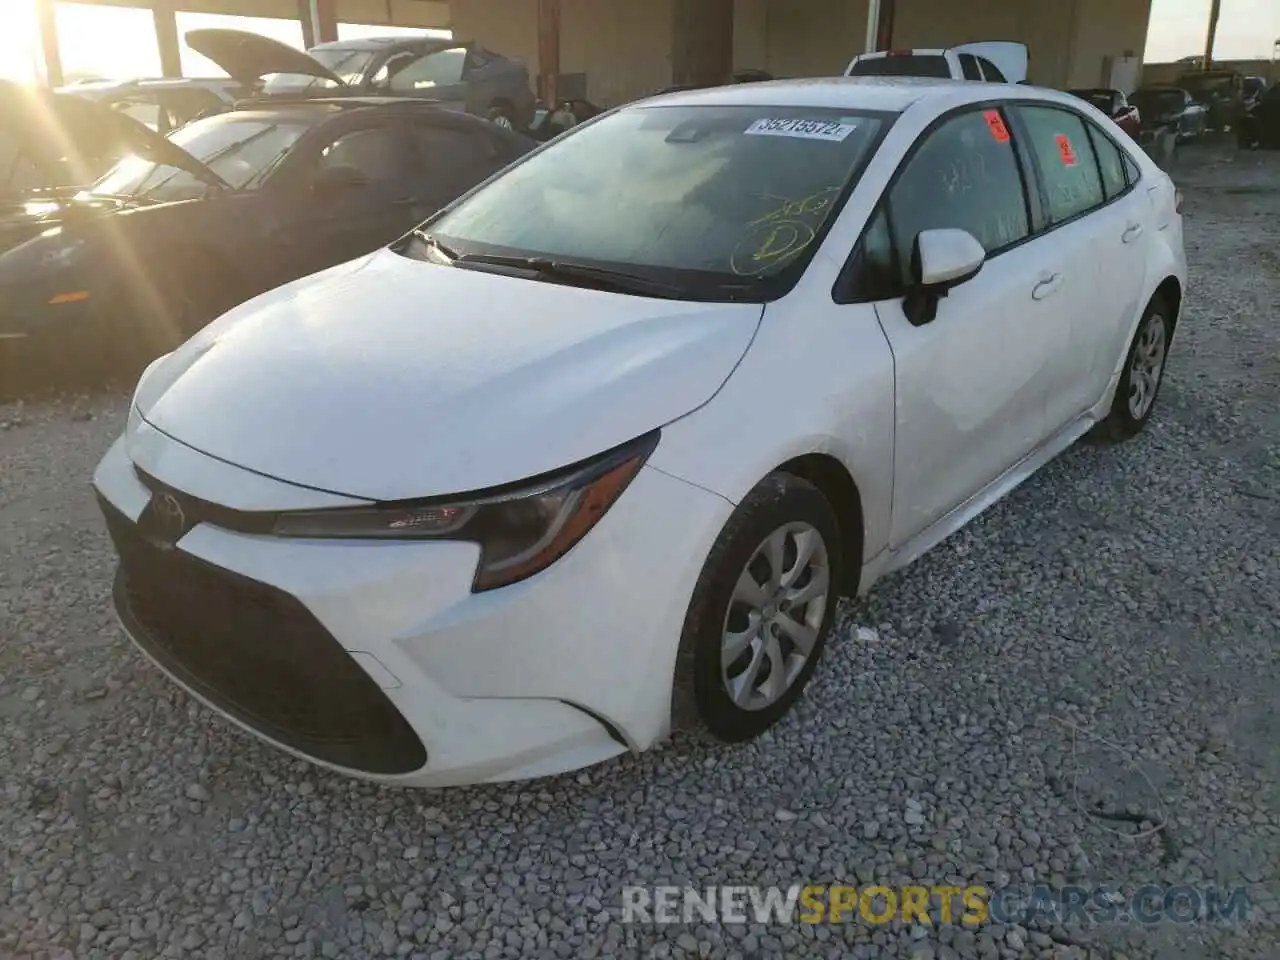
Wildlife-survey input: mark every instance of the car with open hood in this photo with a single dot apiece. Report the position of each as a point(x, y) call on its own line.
point(460, 74)
point(226, 207)
point(52, 146)
point(593, 453)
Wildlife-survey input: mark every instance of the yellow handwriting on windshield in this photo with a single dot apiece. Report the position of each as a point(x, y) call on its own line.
point(781, 234)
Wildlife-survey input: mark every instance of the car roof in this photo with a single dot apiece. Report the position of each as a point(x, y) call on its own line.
point(880, 94)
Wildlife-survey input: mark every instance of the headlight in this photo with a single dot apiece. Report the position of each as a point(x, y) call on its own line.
point(520, 531)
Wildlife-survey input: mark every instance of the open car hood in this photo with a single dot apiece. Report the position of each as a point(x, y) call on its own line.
point(248, 57)
point(1011, 57)
point(65, 133)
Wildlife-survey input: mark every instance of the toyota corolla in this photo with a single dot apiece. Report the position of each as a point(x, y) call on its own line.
point(594, 452)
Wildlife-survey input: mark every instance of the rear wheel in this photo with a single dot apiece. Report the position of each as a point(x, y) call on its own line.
point(1143, 374)
point(761, 611)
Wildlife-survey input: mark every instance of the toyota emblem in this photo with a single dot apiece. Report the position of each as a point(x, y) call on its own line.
point(170, 514)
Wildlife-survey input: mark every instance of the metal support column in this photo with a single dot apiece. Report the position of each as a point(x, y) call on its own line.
point(548, 51)
point(166, 21)
point(51, 54)
point(1209, 40)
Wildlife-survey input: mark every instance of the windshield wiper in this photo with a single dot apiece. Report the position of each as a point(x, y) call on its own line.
point(600, 278)
point(428, 240)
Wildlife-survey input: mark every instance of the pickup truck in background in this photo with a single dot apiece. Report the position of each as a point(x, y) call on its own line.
point(995, 61)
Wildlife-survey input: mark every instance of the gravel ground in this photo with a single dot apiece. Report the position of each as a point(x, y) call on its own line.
point(1126, 600)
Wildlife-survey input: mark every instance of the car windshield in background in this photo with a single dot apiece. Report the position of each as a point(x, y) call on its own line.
point(349, 65)
point(708, 199)
point(906, 65)
point(241, 151)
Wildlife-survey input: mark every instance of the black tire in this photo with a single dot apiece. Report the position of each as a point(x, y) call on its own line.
point(1123, 422)
point(700, 696)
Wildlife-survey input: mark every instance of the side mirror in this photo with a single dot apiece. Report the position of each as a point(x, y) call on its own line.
point(940, 260)
point(338, 179)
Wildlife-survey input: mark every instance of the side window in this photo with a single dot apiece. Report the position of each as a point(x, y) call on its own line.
point(965, 175)
point(873, 272)
point(439, 69)
point(1061, 145)
point(1132, 173)
point(991, 71)
point(1114, 179)
point(451, 161)
point(969, 64)
point(375, 152)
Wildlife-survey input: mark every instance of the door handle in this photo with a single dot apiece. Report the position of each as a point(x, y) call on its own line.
point(1132, 233)
point(1047, 287)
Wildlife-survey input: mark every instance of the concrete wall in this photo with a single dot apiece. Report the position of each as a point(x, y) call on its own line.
point(507, 26)
point(1168, 72)
point(622, 46)
point(798, 38)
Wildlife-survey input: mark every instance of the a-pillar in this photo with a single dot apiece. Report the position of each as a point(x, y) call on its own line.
point(47, 21)
point(166, 21)
point(548, 51)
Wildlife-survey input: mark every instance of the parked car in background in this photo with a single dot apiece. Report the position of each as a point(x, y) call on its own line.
point(163, 105)
point(1220, 92)
point(1115, 105)
point(1168, 107)
point(462, 74)
point(996, 61)
point(52, 145)
point(1253, 89)
point(595, 452)
point(748, 75)
point(225, 208)
point(1260, 127)
point(548, 124)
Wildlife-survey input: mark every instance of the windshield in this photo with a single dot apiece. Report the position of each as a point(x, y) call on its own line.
point(349, 65)
point(241, 151)
point(710, 198)
point(907, 65)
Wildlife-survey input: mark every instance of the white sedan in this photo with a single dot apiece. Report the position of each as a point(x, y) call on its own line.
point(594, 452)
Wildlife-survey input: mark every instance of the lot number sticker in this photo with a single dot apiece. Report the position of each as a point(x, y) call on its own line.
point(1066, 151)
point(996, 123)
point(802, 129)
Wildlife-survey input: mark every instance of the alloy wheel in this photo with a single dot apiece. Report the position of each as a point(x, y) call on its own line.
point(775, 615)
point(1147, 366)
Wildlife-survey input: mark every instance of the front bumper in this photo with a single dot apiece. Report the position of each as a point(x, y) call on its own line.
point(375, 659)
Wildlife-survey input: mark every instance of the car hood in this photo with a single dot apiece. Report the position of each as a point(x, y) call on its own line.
point(248, 57)
point(388, 378)
point(60, 130)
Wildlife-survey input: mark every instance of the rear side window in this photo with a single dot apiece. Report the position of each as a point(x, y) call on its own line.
point(1067, 163)
point(1115, 180)
point(969, 64)
point(991, 71)
point(964, 175)
point(905, 65)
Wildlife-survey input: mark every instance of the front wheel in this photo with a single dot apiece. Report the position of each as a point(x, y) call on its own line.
point(1143, 374)
point(761, 611)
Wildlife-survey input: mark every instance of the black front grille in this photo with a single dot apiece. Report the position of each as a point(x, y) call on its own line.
point(258, 654)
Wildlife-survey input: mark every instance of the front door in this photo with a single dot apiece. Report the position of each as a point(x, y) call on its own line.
point(970, 386)
point(360, 196)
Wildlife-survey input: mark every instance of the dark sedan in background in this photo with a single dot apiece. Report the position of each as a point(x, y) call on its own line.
point(1260, 127)
point(228, 207)
point(462, 74)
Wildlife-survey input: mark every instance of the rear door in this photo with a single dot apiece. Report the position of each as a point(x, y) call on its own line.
point(1095, 228)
